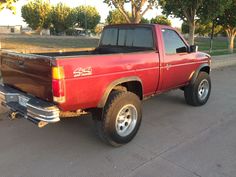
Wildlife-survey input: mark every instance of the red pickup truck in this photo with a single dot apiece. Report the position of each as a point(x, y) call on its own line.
point(131, 63)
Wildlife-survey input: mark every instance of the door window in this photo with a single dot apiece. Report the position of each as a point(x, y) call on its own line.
point(173, 42)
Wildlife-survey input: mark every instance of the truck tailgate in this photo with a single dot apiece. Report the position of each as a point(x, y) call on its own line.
point(28, 73)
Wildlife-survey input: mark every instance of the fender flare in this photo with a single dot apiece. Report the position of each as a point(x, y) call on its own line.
point(195, 75)
point(108, 90)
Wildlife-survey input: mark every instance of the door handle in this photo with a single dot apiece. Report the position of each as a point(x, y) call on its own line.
point(21, 62)
point(128, 67)
point(168, 66)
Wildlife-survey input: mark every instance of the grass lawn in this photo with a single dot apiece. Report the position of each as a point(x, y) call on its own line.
point(21, 42)
point(220, 45)
point(48, 43)
point(223, 52)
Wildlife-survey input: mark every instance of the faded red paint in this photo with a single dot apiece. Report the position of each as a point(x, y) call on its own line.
point(157, 71)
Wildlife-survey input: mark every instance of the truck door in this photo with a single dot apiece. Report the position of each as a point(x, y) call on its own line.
point(178, 62)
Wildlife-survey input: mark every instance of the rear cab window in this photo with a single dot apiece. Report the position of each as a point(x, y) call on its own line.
point(138, 37)
point(110, 36)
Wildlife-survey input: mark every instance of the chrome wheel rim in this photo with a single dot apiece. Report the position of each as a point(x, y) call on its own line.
point(126, 120)
point(203, 89)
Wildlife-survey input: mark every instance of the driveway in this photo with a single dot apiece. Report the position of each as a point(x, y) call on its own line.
point(175, 140)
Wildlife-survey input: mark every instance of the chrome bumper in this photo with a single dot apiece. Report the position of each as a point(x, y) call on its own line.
point(31, 107)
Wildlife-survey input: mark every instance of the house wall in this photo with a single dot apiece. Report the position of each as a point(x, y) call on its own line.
point(10, 29)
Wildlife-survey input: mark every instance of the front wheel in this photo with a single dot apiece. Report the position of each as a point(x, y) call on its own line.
point(121, 118)
point(198, 93)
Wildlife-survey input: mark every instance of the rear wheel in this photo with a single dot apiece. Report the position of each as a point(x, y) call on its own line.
point(120, 119)
point(198, 93)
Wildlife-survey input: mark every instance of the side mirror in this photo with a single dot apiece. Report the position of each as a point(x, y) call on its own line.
point(193, 48)
point(182, 50)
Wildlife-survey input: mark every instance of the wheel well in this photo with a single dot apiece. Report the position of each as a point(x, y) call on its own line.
point(131, 86)
point(205, 69)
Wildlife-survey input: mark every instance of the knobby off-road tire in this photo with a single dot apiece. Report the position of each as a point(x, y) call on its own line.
point(198, 93)
point(120, 118)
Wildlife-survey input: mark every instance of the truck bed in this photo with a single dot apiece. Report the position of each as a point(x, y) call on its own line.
point(97, 51)
point(32, 73)
point(64, 54)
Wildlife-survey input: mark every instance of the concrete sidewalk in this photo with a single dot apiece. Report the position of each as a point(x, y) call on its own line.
point(223, 61)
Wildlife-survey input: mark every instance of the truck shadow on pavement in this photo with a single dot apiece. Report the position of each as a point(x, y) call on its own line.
point(81, 131)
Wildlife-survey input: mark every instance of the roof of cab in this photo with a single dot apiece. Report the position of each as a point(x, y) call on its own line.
point(141, 25)
point(129, 24)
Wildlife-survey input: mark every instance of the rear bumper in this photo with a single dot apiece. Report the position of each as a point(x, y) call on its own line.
point(30, 107)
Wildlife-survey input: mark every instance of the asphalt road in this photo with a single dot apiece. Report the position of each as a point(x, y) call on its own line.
point(175, 140)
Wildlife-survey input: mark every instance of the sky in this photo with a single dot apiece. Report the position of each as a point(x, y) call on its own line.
point(7, 18)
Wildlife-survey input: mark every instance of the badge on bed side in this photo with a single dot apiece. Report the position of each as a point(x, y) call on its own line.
point(79, 72)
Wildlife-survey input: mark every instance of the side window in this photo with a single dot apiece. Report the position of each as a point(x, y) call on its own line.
point(110, 36)
point(173, 43)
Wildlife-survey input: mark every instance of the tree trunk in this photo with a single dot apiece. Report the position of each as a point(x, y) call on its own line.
point(137, 20)
point(231, 43)
point(231, 33)
point(137, 17)
point(192, 27)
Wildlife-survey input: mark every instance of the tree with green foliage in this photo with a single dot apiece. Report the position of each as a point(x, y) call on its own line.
point(162, 20)
point(203, 29)
point(87, 17)
point(211, 9)
point(98, 29)
point(8, 4)
point(228, 21)
point(138, 8)
point(186, 10)
point(144, 20)
point(37, 14)
point(115, 17)
point(63, 18)
point(189, 10)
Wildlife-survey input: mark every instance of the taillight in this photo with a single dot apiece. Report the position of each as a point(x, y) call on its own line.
point(58, 84)
point(58, 73)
